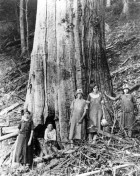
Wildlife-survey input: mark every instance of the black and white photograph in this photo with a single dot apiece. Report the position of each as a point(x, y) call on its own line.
point(69, 88)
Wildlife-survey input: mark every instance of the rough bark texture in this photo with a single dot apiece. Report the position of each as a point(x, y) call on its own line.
point(68, 53)
point(22, 29)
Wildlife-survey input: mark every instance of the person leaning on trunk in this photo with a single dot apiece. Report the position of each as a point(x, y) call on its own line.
point(128, 106)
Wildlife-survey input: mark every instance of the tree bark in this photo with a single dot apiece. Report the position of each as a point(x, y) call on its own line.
point(68, 53)
point(22, 27)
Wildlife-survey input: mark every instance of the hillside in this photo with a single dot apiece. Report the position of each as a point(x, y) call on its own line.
point(123, 43)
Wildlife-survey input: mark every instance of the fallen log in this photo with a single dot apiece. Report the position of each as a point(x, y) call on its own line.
point(107, 169)
point(132, 154)
point(6, 124)
point(7, 130)
point(114, 136)
point(2, 138)
point(10, 108)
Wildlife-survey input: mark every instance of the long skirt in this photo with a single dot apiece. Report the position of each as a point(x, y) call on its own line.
point(24, 153)
point(94, 122)
point(127, 120)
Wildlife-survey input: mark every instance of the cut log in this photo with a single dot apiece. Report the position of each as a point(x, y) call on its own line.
point(2, 138)
point(113, 136)
point(6, 110)
point(5, 124)
point(7, 130)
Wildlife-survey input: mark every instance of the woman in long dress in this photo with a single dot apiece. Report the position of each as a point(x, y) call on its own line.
point(24, 149)
point(128, 105)
point(77, 121)
point(95, 100)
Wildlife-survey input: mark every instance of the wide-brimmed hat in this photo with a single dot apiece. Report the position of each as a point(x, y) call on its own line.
point(126, 86)
point(79, 91)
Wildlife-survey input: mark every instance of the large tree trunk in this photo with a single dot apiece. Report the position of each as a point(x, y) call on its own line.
point(22, 27)
point(68, 53)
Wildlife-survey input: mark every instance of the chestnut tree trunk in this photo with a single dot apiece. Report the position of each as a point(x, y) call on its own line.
point(68, 53)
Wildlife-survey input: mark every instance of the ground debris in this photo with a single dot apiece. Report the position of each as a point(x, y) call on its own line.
point(114, 158)
point(99, 159)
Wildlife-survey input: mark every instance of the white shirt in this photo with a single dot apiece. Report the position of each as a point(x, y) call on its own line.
point(50, 135)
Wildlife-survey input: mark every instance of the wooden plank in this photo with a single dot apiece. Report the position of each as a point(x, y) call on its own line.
point(11, 129)
point(5, 124)
point(2, 138)
point(8, 109)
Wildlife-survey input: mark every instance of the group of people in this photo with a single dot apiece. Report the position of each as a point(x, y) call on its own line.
point(24, 144)
point(94, 109)
point(80, 108)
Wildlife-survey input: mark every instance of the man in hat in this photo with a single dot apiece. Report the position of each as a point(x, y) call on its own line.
point(77, 121)
point(127, 109)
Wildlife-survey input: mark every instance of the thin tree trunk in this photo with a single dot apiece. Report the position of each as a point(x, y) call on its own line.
point(125, 7)
point(108, 3)
point(22, 27)
point(27, 27)
point(17, 17)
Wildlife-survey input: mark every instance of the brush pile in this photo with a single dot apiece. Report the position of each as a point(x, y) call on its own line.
point(114, 158)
